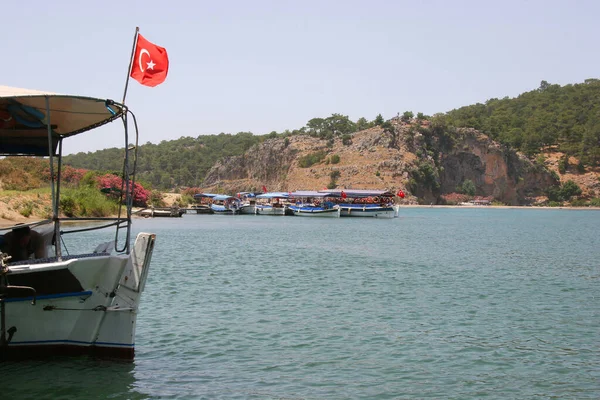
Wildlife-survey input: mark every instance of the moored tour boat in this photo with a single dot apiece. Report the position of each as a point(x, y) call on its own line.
point(274, 206)
point(226, 205)
point(76, 303)
point(202, 205)
point(247, 202)
point(313, 204)
point(366, 203)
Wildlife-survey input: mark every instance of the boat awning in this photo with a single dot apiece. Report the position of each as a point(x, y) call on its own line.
point(357, 193)
point(222, 197)
point(24, 119)
point(310, 193)
point(273, 195)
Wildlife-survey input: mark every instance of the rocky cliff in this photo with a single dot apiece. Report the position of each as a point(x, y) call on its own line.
point(425, 162)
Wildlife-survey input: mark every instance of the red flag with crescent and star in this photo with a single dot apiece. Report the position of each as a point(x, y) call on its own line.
point(150, 63)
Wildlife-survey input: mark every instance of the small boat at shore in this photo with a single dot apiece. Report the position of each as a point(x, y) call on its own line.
point(53, 302)
point(169, 212)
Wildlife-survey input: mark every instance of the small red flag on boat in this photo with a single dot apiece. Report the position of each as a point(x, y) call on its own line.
point(400, 194)
point(150, 63)
point(264, 188)
point(344, 195)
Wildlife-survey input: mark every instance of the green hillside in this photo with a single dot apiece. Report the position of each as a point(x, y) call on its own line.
point(181, 162)
point(565, 118)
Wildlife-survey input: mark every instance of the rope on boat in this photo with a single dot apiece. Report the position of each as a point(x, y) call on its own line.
point(97, 308)
point(55, 308)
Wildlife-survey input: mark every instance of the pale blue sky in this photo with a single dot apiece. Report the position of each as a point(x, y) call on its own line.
point(261, 66)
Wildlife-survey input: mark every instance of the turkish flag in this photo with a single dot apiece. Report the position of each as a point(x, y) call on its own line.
point(264, 188)
point(150, 63)
point(400, 194)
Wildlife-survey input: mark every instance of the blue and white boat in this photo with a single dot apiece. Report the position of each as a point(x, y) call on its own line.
point(366, 203)
point(248, 202)
point(314, 204)
point(226, 205)
point(53, 302)
point(202, 205)
point(274, 204)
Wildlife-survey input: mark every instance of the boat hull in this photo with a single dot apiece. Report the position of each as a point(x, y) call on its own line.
point(268, 210)
point(248, 209)
point(202, 209)
point(85, 304)
point(367, 210)
point(219, 209)
point(315, 211)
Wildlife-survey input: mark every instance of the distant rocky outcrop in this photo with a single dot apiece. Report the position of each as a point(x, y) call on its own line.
point(423, 161)
point(496, 170)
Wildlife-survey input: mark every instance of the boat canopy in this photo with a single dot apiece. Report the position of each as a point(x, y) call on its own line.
point(358, 193)
point(25, 115)
point(246, 194)
point(273, 195)
point(223, 197)
point(310, 193)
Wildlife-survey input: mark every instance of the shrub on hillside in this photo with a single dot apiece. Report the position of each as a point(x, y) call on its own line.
point(311, 159)
point(68, 205)
point(156, 199)
point(570, 189)
point(87, 202)
point(113, 187)
point(21, 173)
point(26, 209)
point(185, 199)
point(564, 192)
point(467, 187)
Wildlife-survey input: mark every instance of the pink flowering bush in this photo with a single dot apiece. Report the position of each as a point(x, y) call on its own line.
point(70, 176)
point(112, 186)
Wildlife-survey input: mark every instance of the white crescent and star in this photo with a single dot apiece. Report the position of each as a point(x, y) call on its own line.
point(149, 65)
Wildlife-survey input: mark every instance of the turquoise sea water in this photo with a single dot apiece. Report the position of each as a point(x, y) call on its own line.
point(438, 303)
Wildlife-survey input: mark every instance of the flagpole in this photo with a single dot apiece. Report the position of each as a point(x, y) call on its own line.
point(137, 30)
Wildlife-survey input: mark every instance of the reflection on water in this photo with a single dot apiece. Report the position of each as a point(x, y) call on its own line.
point(69, 378)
